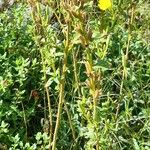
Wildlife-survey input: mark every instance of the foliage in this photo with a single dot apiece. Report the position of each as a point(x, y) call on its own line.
point(73, 76)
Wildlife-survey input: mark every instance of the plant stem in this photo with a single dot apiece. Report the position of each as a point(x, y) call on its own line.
point(61, 99)
point(125, 56)
point(25, 122)
point(71, 125)
point(75, 73)
point(62, 86)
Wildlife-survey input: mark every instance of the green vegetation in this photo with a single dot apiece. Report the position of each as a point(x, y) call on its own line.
point(74, 77)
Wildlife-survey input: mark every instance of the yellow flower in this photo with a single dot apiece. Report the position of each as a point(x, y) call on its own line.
point(104, 4)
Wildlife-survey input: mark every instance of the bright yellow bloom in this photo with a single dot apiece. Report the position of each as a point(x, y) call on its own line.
point(104, 4)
